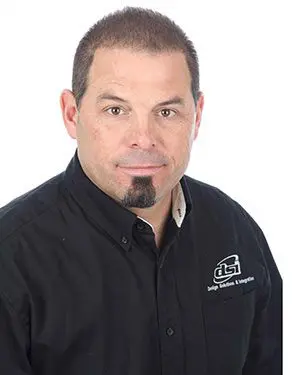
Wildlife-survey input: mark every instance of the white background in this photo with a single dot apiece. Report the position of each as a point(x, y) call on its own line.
point(248, 144)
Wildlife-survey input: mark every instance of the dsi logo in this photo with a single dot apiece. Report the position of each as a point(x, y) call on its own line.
point(226, 269)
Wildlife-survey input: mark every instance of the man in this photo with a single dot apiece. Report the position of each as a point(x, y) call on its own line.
point(122, 264)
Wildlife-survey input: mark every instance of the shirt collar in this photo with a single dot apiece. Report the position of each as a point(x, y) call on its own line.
point(178, 206)
point(107, 213)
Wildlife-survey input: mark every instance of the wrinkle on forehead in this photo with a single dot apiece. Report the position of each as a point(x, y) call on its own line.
point(124, 66)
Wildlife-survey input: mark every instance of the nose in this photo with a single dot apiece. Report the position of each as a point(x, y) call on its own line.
point(143, 134)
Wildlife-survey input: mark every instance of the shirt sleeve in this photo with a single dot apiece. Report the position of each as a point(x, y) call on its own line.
point(265, 348)
point(14, 341)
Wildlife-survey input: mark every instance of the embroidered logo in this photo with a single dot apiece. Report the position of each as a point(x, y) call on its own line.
point(227, 268)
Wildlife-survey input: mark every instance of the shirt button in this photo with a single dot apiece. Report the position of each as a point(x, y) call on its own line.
point(124, 239)
point(170, 331)
point(140, 226)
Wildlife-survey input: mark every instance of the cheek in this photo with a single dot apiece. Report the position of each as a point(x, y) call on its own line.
point(179, 154)
point(182, 145)
point(104, 145)
point(95, 134)
point(97, 137)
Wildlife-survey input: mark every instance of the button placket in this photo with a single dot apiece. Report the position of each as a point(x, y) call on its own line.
point(171, 340)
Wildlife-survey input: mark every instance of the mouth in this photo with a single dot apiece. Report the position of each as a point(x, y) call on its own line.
point(141, 170)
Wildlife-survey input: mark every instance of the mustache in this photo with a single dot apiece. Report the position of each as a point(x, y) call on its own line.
point(142, 157)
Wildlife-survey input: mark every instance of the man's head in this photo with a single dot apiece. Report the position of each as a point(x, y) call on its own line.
point(135, 104)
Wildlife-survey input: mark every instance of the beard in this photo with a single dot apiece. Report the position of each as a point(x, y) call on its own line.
point(141, 194)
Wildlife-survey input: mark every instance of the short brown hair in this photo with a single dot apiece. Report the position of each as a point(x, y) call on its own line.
point(139, 29)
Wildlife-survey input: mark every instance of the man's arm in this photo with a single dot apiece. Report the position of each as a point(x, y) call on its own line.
point(265, 349)
point(14, 341)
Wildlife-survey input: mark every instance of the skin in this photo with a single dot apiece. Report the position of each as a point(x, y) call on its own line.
point(112, 135)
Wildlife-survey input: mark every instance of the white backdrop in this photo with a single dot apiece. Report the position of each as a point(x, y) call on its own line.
point(248, 144)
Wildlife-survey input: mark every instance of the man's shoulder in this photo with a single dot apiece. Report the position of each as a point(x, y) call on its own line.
point(29, 206)
point(209, 194)
point(219, 204)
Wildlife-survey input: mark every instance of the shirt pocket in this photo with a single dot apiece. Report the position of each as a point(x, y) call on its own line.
point(228, 317)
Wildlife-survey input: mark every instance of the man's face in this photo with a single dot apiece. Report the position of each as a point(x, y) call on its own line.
point(135, 148)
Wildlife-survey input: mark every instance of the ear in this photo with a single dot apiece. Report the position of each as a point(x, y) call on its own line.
point(199, 109)
point(69, 112)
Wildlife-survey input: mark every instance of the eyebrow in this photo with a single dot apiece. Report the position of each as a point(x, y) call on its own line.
point(107, 96)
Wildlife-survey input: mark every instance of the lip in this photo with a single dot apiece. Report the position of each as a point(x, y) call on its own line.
point(141, 170)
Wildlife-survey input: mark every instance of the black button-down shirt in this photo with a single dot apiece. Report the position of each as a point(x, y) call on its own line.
point(84, 290)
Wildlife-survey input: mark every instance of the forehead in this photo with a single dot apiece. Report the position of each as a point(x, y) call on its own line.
point(138, 70)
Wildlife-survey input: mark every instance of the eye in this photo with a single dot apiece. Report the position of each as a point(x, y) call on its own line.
point(116, 110)
point(166, 112)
